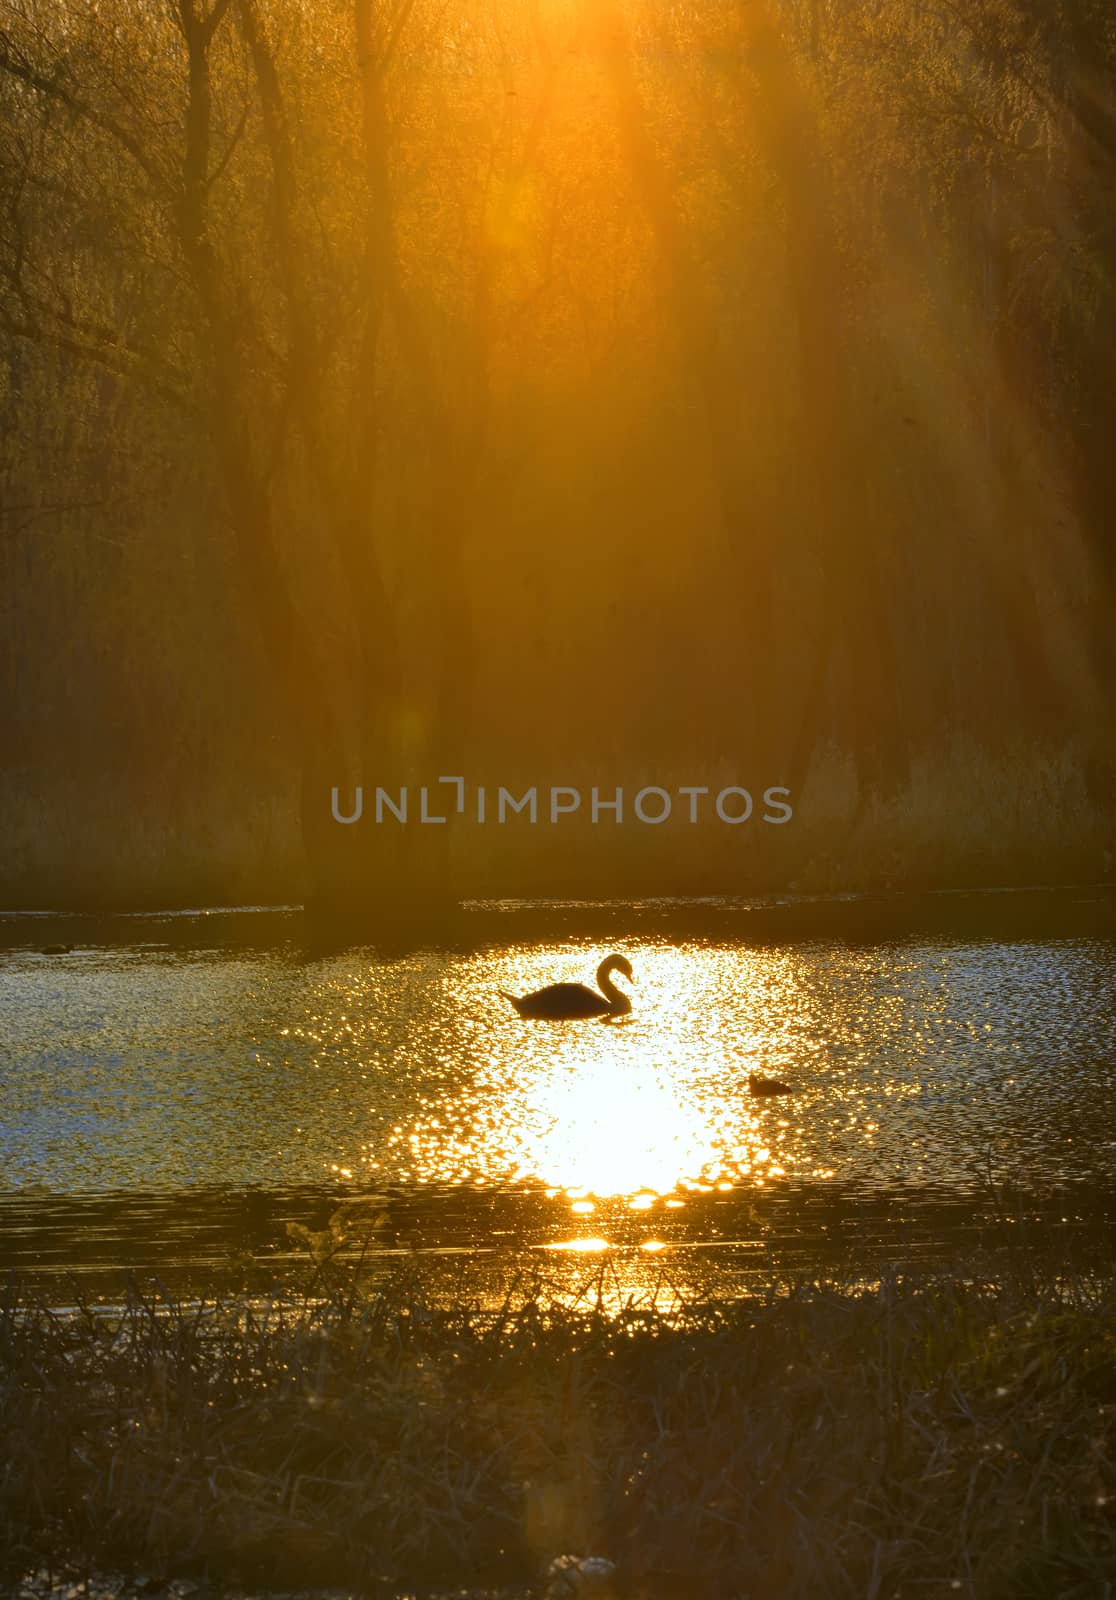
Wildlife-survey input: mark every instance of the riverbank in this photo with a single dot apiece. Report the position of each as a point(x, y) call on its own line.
point(967, 819)
point(1027, 913)
point(945, 1436)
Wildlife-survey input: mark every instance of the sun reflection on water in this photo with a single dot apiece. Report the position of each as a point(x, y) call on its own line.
point(643, 1108)
point(613, 1128)
point(632, 1147)
point(909, 1062)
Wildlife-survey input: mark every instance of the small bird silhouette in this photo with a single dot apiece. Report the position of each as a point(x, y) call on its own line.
point(760, 1085)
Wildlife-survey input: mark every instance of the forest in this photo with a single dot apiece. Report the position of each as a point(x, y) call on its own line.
point(582, 392)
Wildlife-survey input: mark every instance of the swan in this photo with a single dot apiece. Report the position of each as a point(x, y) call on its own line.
point(561, 1000)
point(759, 1085)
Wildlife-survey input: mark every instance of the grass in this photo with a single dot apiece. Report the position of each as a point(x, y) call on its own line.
point(918, 1438)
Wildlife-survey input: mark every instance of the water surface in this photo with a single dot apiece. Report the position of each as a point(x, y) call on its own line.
point(166, 1098)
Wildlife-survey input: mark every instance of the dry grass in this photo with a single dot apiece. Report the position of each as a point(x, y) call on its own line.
point(93, 843)
point(919, 1439)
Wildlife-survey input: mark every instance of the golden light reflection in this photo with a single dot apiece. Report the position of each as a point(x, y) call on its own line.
point(616, 1129)
point(641, 1109)
point(443, 1083)
point(407, 1075)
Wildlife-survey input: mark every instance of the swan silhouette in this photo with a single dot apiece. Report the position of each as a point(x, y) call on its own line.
point(566, 1000)
point(759, 1085)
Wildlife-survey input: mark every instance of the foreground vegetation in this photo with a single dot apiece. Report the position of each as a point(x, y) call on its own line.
point(909, 1439)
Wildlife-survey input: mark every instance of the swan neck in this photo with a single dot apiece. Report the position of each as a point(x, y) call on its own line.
point(616, 998)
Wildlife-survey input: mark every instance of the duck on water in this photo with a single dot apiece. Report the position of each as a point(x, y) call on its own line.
point(767, 1086)
point(561, 1001)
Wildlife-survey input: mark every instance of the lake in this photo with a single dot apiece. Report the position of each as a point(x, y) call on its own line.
point(182, 1087)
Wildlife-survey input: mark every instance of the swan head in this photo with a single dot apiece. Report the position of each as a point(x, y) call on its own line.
point(619, 964)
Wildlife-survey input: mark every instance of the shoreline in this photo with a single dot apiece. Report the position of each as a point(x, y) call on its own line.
point(1008, 913)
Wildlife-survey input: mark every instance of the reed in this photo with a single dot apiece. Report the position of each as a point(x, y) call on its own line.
point(916, 1437)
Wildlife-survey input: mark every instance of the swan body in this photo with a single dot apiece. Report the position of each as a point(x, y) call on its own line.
point(762, 1086)
point(561, 1001)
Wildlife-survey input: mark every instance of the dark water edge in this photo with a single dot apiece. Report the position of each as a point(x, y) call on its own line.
point(722, 1244)
point(1026, 913)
